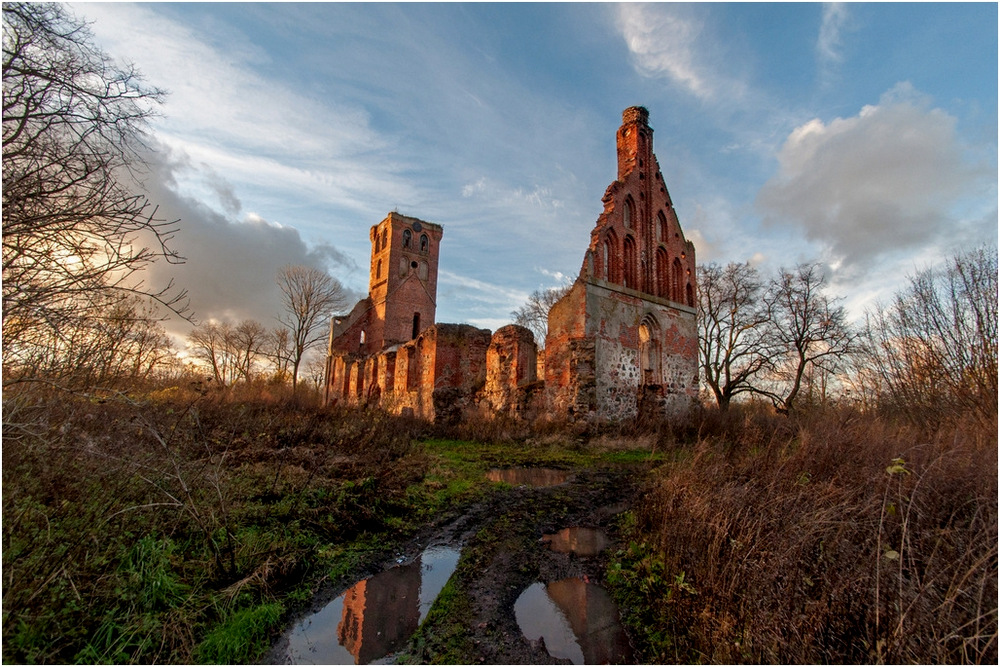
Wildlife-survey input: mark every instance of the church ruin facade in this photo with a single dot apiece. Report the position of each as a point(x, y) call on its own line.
point(622, 342)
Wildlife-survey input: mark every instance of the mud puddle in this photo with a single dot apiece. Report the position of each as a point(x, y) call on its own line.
point(534, 477)
point(575, 620)
point(577, 540)
point(375, 617)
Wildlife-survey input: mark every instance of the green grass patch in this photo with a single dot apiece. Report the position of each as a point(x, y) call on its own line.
point(241, 638)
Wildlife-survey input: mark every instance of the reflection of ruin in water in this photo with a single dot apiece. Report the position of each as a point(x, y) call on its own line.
point(374, 617)
point(577, 540)
point(528, 476)
point(578, 621)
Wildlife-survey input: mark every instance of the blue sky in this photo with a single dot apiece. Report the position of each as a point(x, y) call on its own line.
point(860, 135)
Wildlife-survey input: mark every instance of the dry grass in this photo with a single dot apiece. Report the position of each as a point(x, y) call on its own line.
point(839, 538)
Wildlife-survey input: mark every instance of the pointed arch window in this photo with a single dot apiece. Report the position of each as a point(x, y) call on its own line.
point(677, 281)
point(378, 270)
point(407, 238)
point(614, 259)
point(424, 243)
point(628, 213)
point(662, 230)
point(629, 263)
point(662, 273)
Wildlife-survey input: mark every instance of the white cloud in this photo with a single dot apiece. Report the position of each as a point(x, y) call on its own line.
point(891, 178)
point(669, 41)
point(835, 16)
point(662, 43)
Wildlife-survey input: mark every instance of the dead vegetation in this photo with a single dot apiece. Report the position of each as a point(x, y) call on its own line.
point(839, 537)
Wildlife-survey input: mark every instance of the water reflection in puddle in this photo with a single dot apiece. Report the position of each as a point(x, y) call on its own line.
point(528, 476)
point(577, 540)
point(374, 617)
point(578, 621)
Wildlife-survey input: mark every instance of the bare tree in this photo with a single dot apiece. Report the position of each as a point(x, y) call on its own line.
point(278, 350)
point(736, 337)
point(125, 345)
point(75, 234)
point(247, 344)
point(534, 314)
point(810, 328)
point(233, 352)
point(934, 348)
point(310, 297)
point(208, 343)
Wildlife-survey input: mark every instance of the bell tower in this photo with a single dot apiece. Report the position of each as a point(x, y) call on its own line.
point(402, 284)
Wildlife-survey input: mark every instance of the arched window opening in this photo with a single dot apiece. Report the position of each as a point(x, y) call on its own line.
point(605, 255)
point(412, 369)
point(424, 243)
point(677, 281)
point(378, 270)
point(378, 239)
point(385, 237)
point(614, 258)
point(690, 295)
point(416, 325)
point(628, 213)
point(629, 263)
point(662, 231)
point(649, 351)
point(362, 336)
point(423, 271)
point(662, 273)
point(407, 238)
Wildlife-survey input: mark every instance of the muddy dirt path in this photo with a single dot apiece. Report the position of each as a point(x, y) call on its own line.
point(525, 589)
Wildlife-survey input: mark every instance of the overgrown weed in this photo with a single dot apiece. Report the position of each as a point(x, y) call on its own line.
point(137, 527)
point(833, 537)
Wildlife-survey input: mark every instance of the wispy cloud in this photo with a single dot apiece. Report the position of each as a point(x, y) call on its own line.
point(663, 43)
point(264, 134)
point(829, 44)
point(835, 15)
point(673, 42)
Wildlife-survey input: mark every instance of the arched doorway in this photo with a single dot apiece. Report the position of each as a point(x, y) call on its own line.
point(650, 366)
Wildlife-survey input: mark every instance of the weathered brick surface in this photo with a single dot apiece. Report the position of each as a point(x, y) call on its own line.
point(628, 329)
point(402, 287)
point(511, 363)
point(622, 342)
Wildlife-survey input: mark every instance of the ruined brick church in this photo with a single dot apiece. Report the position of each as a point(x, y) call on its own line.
point(623, 341)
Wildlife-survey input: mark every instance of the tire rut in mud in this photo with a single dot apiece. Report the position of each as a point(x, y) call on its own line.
point(506, 555)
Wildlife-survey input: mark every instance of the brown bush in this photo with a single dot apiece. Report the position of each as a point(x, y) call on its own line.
point(838, 538)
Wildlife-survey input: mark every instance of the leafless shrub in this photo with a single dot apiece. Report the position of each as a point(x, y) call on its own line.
point(840, 538)
point(931, 355)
